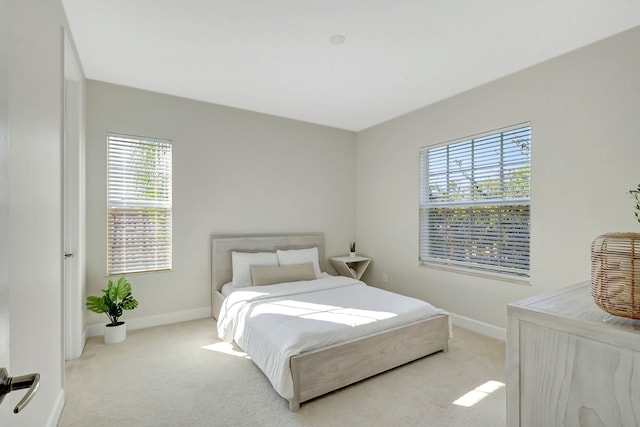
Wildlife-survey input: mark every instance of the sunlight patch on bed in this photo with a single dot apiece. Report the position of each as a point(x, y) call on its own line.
point(474, 396)
point(321, 312)
point(226, 348)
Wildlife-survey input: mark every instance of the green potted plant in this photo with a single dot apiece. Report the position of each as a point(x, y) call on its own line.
point(352, 249)
point(117, 298)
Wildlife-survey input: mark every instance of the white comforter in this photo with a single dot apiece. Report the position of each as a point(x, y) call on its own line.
point(273, 323)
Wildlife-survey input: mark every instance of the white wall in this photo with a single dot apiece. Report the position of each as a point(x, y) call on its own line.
point(35, 203)
point(583, 108)
point(234, 171)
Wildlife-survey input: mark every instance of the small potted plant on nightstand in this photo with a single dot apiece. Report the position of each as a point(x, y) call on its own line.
point(352, 249)
point(117, 298)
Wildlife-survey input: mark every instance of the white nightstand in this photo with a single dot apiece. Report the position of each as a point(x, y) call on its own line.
point(350, 266)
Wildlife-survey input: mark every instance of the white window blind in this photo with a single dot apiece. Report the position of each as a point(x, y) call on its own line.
point(138, 204)
point(475, 202)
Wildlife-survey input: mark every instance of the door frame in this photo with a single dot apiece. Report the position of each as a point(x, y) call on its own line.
point(73, 212)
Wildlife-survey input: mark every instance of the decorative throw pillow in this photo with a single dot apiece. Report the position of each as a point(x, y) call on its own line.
point(270, 275)
point(300, 256)
point(241, 263)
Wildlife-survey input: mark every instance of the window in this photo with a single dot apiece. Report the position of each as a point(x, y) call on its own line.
point(475, 203)
point(138, 204)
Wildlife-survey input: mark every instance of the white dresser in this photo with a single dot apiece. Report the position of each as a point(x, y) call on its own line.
point(571, 364)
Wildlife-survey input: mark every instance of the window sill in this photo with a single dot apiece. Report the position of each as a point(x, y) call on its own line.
point(478, 273)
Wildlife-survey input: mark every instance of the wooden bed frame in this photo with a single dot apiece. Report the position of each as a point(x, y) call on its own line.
point(321, 371)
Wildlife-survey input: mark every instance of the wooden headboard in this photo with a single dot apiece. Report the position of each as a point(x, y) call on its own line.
point(222, 246)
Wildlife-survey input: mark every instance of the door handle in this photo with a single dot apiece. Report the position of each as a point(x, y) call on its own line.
point(68, 255)
point(9, 384)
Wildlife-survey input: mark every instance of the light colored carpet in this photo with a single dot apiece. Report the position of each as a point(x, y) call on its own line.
point(182, 375)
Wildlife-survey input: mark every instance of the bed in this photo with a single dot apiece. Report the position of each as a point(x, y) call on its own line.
point(338, 358)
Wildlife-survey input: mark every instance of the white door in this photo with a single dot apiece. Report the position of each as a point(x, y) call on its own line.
point(4, 201)
point(9, 381)
point(73, 225)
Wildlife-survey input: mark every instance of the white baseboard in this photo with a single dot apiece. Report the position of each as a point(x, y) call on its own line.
point(479, 327)
point(97, 329)
point(56, 413)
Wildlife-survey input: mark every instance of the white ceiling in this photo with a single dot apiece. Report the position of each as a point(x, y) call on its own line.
point(275, 56)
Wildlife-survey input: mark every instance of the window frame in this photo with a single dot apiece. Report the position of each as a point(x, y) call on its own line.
point(439, 252)
point(149, 214)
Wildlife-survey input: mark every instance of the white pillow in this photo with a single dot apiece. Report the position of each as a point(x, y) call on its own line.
point(270, 274)
point(300, 256)
point(241, 263)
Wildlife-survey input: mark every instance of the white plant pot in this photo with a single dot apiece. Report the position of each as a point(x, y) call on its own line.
point(352, 254)
point(115, 334)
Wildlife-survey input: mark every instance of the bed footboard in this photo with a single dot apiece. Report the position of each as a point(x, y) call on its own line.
point(321, 371)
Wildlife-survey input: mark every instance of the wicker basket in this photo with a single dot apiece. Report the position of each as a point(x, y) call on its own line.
point(615, 273)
